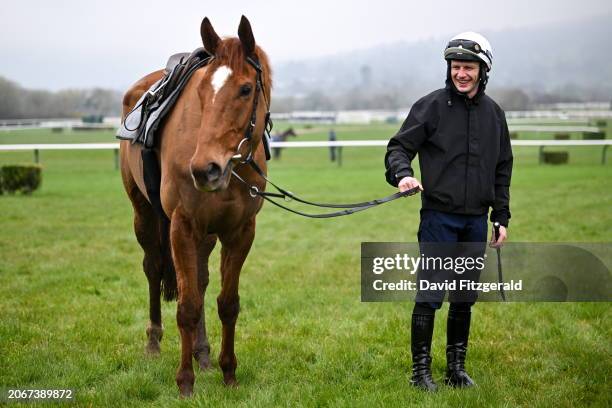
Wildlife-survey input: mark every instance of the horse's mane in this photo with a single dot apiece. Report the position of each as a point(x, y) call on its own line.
point(230, 52)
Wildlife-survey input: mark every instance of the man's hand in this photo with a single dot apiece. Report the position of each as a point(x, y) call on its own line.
point(503, 235)
point(408, 183)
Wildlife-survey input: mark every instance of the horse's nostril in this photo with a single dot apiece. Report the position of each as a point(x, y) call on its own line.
point(209, 173)
point(199, 174)
point(213, 171)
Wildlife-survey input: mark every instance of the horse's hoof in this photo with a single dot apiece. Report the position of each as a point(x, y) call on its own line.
point(202, 356)
point(184, 380)
point(230, 381)
point(204, 363)
point(186, 390)
point(153, 349)
point(154, 334)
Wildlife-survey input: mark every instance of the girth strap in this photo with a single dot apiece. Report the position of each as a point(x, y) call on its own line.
point(152, 180)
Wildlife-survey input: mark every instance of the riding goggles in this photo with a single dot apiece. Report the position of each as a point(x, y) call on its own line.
point(467, 45)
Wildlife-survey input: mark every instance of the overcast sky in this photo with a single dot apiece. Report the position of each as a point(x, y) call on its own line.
point(82, 43)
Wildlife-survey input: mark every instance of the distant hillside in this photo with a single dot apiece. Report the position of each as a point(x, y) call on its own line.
point(572, 61)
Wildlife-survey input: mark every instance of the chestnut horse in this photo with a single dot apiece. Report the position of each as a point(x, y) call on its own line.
point(198, 149)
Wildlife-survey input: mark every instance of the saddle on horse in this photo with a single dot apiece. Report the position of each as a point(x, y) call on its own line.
point(144, 119)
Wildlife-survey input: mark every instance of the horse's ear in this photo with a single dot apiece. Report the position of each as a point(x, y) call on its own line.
point(245, 33)
point(209, 37)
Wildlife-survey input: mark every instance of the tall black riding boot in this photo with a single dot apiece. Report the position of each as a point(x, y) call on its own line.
point(420, 345)
point(457, 333)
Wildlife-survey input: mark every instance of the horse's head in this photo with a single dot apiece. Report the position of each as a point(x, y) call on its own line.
point(235, 96)
point(291, 132)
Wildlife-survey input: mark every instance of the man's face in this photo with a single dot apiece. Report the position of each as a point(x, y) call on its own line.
point(465, 76)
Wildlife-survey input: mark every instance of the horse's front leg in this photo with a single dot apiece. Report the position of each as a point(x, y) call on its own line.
point(201, 346)
point(235, 249)
point(189, 308)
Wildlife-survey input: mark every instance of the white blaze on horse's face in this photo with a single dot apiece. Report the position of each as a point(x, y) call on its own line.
point(219, 78)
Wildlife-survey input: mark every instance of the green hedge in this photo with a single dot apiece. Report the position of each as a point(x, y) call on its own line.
point(20, 178)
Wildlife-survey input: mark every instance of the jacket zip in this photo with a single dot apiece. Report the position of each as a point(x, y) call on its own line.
point(467, 158)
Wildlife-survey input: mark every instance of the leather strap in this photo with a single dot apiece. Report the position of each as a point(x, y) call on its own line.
point(347, 209)
point(500, 276)
point(152, 180)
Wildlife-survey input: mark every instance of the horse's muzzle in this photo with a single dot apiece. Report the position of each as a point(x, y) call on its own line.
point(211, 177)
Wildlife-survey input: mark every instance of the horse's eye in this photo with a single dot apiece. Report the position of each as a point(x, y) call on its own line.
point(245, 90)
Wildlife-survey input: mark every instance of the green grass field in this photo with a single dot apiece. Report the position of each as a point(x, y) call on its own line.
point(73, 297)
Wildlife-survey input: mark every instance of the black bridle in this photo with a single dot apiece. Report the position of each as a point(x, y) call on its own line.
point(248, 133)
point(346, 209)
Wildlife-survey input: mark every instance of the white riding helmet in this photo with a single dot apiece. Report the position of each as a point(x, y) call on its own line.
point(470, 46)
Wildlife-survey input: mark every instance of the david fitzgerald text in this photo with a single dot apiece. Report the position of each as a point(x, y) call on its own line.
point(454, 285)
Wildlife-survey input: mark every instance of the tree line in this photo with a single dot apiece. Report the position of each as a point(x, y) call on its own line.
point(388, 99)
point(17, 102)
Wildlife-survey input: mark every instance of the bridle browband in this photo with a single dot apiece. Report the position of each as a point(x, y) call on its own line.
point(345, 209)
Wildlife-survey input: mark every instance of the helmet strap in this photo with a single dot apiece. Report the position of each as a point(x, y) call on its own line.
point(484, 75)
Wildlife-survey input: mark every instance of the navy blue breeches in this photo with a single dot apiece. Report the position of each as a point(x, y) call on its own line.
point(441, 227)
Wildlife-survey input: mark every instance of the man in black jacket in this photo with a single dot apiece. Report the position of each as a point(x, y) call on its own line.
point(462, 140)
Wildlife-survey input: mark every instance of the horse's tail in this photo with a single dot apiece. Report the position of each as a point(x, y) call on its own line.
point(168, 273)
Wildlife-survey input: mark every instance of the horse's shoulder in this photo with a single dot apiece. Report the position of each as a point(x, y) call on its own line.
point(133, 94)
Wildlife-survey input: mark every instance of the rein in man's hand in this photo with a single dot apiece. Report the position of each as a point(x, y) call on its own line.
point(408, 183)
point(503, 235)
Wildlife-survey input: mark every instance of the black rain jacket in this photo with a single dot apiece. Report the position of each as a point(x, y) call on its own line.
point(464, 152)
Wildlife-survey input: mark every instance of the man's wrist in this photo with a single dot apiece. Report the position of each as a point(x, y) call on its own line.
point(503, 223)
point(402, 174)
point(500, 216)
